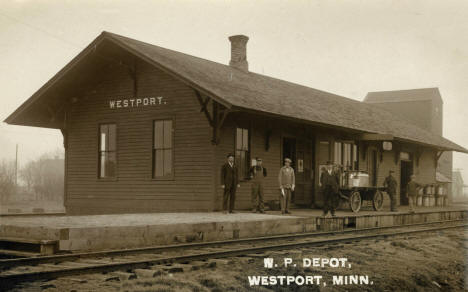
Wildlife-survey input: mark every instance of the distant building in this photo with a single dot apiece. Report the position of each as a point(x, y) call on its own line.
point(424, 108)
point(457, 186)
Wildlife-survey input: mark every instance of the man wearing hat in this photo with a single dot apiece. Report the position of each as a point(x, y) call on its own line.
point(412, 189)
point(391, 184)
point(287, 182)
point(257, 175)
point(329, 181)
point(230, 183)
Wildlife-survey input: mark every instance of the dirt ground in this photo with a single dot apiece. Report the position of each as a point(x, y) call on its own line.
point(423, 262)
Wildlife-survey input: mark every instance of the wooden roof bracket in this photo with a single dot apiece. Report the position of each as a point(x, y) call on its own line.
point(418, 153)
point(203, 104)
point(437, 155)
point(216, 118)
point(65, 137)
point(64, 128)
point(54, 111)
point(219, 116)
point(365, 146)
point(397, 150)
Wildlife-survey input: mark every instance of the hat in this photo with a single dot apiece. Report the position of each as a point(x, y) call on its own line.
point(287, 159)
point(329, 162)
point(258, 159)
point(229, 155)
point(391, 171)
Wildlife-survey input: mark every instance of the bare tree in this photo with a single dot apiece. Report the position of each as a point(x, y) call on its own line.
point(44, 177)
point(7, 180)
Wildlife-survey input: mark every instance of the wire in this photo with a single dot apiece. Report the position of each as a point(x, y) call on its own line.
point(80, 47)
point(95, 53)
point(39, 29)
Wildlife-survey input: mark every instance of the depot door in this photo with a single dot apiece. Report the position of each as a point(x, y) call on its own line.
point(406, 171)
point(300, 151)
point(373, 167)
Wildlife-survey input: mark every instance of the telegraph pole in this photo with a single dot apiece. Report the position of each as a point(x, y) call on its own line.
point(16, 166)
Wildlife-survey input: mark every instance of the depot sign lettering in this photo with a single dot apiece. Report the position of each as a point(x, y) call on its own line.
point(136, 102)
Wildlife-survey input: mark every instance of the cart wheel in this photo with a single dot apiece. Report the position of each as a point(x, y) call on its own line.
point(377, 201)
point(355, 201)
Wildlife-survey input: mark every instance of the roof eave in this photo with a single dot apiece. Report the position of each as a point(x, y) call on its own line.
point(11, 118)
point(438, 147)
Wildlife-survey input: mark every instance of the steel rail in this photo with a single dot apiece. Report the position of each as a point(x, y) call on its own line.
point(7, 263)
point(134, 264)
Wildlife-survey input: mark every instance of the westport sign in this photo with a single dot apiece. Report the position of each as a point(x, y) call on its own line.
point(136, 102)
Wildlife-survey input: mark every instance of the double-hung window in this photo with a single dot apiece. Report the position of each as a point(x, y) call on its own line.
point(243, 152)
point(107, 151)
point(346, 155)
point(163, 160)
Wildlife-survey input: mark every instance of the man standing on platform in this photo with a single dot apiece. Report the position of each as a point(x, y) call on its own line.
point(412, 189)
point(391, 184)
point(287, 182)
point(230, 183)
point(330, 186)
point(257, 174)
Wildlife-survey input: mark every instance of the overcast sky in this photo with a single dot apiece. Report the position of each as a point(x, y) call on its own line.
point(347, 47)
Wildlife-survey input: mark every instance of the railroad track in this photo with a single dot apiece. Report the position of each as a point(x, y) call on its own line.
point(14, 271)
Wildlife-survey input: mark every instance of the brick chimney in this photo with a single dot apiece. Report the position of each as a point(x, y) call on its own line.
point(239, 52)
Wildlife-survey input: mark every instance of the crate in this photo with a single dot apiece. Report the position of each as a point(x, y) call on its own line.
point(358, 179)
point(419, 200)
point(425, 200)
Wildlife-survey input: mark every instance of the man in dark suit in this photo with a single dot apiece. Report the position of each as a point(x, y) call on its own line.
point(391, 184)
point(230, 183)
point(329, 180)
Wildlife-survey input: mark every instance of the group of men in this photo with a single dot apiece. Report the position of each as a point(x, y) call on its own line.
point(329, 182)
point(257, 173)
point(412, 189)
point(330, 178)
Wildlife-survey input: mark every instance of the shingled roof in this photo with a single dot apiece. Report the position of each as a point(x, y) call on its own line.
point(251, 91)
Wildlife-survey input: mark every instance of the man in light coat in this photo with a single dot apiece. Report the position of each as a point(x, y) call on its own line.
point(287, 181)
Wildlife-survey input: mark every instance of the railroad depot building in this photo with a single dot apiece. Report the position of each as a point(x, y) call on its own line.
point(147, 129)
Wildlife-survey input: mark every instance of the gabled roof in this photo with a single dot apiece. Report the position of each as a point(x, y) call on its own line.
point(254, 92)
point(419, 94)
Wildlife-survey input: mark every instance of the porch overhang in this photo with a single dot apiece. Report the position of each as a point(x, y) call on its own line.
point(375, 137)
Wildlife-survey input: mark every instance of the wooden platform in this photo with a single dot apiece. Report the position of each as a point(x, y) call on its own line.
point(99, 232)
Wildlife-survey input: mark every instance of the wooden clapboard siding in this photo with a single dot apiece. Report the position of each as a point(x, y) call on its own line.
point(197, 163)
point(272, 157)
point(134, 190)
point(426, 170)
